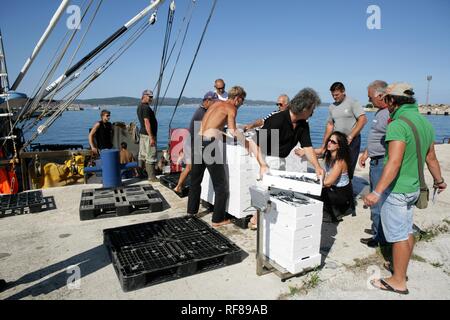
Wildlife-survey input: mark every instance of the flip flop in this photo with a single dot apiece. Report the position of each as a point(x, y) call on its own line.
point(388, 287)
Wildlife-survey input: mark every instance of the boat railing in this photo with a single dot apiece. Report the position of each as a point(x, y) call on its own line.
point(55, 147)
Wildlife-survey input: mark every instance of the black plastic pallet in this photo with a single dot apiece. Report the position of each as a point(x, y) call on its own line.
point(171, 181)
point(122, 201)
point(25, 203)
point(151, 253)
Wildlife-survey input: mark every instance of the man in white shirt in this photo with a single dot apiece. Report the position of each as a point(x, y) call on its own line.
point(219, 85)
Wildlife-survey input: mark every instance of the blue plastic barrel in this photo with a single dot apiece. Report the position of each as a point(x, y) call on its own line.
point(111, 168)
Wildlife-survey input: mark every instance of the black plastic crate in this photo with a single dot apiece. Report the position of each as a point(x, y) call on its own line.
point(24, 203)
point(171, 181)
point(122, 201)
point(150, 253)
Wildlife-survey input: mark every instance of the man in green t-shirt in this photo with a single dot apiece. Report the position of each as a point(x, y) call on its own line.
point(400, 180)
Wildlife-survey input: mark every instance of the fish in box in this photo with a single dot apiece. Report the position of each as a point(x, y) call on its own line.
point(306, 183)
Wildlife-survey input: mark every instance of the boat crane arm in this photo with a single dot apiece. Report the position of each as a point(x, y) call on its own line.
point(59, 12)
point(102, 46)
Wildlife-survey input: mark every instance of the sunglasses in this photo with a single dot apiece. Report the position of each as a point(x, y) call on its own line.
point(223, 88)
point(279, 104)
point(332, 141)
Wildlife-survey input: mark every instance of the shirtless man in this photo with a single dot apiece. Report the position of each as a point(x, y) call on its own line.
point(208, 154)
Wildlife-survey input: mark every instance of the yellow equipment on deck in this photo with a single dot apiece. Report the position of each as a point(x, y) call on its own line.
point(53, 175)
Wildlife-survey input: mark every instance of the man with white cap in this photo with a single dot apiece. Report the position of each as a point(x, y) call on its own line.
point(376, 151)
point(148, 134)
point(400, 180)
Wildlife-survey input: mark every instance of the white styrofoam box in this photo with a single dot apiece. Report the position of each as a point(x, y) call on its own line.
point(294, 163)
point(289, 234)
point(292, 251)
point(299, 265)
point(276, 221)
point(286, 180)
point(286, 215)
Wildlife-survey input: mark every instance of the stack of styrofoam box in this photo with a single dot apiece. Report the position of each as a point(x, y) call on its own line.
point(292, 233)
point(243, 171)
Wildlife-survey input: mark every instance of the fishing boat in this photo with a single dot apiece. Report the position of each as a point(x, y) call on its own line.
point(31, 115)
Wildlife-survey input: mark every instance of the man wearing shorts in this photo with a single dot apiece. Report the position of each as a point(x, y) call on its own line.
point(400, 182)
point(147, 134)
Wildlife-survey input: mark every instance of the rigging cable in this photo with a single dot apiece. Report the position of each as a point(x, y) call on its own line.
point(36, 99)
point(61, 85)
point(88, 80)
point(189, 12)
point(75, 75)
point(36, 107)
point(169, 25)
point(39, 84)
point(179, 54)
point(193, 62)
point(41, 81)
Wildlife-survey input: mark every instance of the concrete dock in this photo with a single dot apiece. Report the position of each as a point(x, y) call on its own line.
point(37, 252)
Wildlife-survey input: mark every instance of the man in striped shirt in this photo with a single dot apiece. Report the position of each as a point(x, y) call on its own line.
point(282, 104)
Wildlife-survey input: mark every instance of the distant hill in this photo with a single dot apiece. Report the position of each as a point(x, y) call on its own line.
point(129, 101)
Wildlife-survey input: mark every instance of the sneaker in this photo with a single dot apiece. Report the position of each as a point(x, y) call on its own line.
point(369, 231)
point(370, 242)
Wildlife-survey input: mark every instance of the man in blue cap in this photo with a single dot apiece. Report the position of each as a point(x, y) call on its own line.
point(194, 127)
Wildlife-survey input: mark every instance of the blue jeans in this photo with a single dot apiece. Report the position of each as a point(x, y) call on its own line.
point(376, 169)
point(397, 215)
point(355, 148)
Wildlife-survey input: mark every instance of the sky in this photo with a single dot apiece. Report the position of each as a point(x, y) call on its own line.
point(268, 47)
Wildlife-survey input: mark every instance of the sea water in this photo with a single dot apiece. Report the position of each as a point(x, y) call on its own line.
point(73, 126)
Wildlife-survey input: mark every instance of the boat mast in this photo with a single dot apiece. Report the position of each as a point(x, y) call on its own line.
point(4, 82)
point(59, 12)
point(102, 46)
